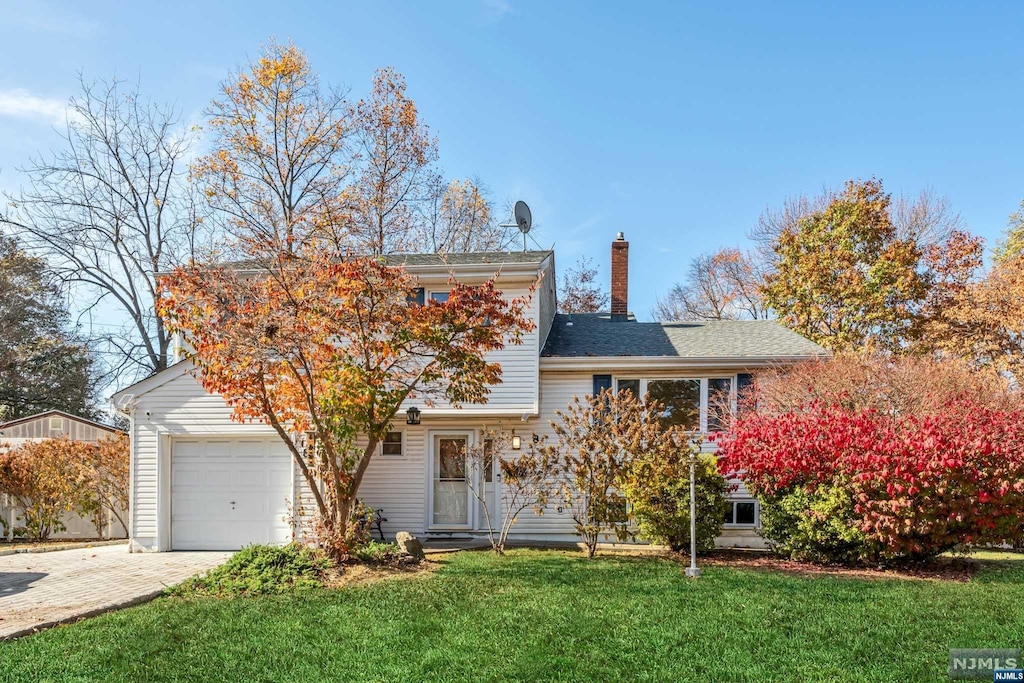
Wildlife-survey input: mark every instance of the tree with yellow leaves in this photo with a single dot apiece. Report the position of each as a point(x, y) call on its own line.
point(279, 165)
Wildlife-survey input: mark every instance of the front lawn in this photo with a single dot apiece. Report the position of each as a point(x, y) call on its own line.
point(546, 615)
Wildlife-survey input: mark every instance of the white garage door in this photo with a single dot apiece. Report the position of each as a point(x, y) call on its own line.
point(227, 493)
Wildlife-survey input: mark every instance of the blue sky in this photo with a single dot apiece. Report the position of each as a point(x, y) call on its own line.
point(676, 123)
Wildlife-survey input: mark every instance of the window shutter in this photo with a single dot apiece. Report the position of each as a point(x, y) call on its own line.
point(744, 383)
point(602, 382)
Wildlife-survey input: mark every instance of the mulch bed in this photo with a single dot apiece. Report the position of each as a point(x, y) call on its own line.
point(362, 574)
point(942, 569)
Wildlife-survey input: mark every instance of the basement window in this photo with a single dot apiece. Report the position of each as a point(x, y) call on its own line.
point(741, 513)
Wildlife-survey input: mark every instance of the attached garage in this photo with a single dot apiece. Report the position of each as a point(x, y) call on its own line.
point(229, 492)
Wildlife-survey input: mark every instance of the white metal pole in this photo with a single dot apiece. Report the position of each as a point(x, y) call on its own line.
point(692, 571)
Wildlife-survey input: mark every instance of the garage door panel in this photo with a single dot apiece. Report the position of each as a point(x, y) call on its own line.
point(217, 476)
point(183, 477)
point(227, 493)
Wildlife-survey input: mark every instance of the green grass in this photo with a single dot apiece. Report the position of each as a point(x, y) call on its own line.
point(538, 615)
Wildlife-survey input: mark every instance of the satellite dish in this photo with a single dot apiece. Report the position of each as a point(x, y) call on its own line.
point(523, 218)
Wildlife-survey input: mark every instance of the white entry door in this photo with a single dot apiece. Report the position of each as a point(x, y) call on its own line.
point(450, 494)
point(227, 493)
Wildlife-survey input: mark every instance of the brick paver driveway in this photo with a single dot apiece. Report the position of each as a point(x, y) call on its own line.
point(41, 589)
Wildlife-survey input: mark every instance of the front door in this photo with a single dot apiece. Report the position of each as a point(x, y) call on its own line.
point(450, 491)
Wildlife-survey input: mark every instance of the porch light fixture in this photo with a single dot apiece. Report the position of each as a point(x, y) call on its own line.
point(412, 416)
point(517, 442)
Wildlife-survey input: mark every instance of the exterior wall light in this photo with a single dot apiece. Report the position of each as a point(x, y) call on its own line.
point(412, 416)
point(517, 442)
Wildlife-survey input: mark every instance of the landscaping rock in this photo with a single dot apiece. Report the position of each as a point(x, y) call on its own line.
point(410, 545)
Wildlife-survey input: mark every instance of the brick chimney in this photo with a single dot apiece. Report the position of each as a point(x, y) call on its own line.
point(620, 278)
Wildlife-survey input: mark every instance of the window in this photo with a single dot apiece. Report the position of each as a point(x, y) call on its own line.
point(440, 297)
point(741, 513)
point(692, 403)
point(392, 444)
point(416, 297)
point(56, 424)
point(719, 404)
point(632, 385)
point(681, 399)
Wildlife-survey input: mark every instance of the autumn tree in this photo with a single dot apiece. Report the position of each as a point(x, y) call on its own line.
point(108, 211)
point(984, 321)
point(925, 219)
point(889, 386)
point(1012, 243)
point(459, 217)
point(326, 349)
point(528, 481)
point(293, 159)
point(396, 168)
point(724, 285)
point(581, 292)
point(598, 441)
point(43, 365)
point(278, 168)
point(108, 477)
point(846, 278)
point(47, 479)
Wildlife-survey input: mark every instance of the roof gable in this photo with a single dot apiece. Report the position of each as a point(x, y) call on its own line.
point(60, 413)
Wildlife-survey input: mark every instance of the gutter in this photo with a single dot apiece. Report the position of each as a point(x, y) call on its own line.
point(569, 363)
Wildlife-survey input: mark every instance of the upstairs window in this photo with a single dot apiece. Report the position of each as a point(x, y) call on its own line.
point(691, 403)
point(630, 385)
point(720, 407)
point(681, 401)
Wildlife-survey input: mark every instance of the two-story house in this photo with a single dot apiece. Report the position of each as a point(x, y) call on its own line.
point(201, 481)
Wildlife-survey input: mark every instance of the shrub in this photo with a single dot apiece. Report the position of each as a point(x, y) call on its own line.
point(914, 385)
point(596, 439)
point(658, 489)
point(47, 479)
point(919, 484)
point(813, 527)
point(262, 570)
point(379, 553)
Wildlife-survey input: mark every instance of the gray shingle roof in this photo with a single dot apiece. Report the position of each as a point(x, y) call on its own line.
point(595, 334)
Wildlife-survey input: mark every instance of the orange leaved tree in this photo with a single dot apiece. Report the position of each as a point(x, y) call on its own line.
point(108, 475)
point(47, 479)
point(325, 349)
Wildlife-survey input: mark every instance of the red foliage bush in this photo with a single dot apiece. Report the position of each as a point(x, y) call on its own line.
point(920, 484)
